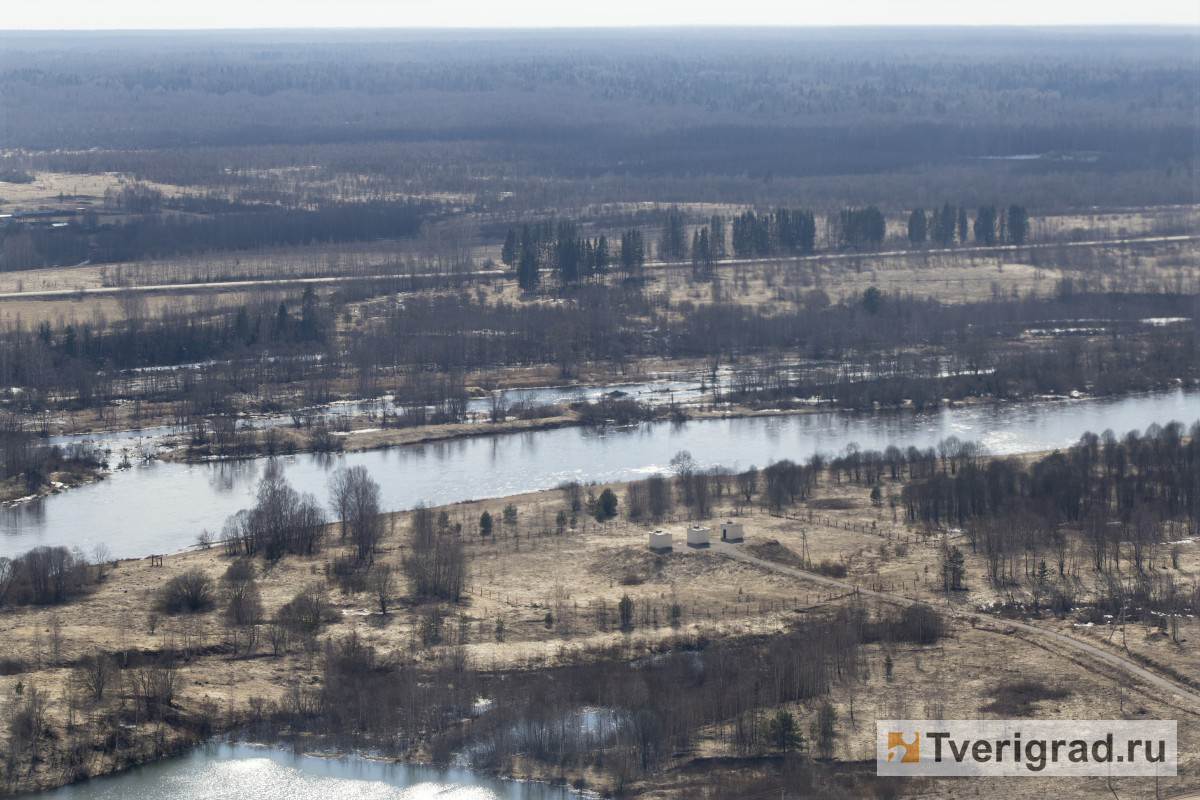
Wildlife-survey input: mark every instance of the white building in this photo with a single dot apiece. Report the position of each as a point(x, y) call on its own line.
point(660, 541)
point(731, 531)
point(697, 536)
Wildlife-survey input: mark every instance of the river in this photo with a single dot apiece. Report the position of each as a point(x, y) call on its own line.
point(219, 771)
point(160, 507)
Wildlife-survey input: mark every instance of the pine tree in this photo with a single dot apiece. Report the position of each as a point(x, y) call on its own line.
point(310, 322)
point(716, 237)
point(985, 225)
point(282, 322)
point(918, 226)
point(962, 226)
point(566, 254)
point(1018, 224)
point(953, 569)
point(528, 271)
point(601, 256)
point(633, 253)
point(943, 225)
point(510, 253)
point(672, 243)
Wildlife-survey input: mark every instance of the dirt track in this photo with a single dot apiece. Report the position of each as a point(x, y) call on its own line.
point(1055, 638)
point(188, 288)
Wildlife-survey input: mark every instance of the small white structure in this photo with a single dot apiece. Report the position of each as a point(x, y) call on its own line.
point(731, 531)
point(697, 536)
point(660, 541)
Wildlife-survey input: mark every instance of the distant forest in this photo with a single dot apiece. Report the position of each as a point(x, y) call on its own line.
point(520, 121)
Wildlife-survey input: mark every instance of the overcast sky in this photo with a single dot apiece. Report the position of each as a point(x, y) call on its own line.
point(205, 14)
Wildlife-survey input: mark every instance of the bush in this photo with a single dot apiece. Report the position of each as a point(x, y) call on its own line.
point(625, 612)
point(190, 592)
point(918, 624)
point(307, 611)
point(830, 569)
point(242, 602)
point(1017, 699)
point(606, 506)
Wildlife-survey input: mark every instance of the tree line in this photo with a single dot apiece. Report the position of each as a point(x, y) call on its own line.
point(948, 225)
point(162, 233)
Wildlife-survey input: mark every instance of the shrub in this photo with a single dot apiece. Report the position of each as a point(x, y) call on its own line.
point(1017, 699)
point(190, 592)
point(625, 612)
point(606, 506)
point(831, 569)
point(918, 624)
point(307, 611)
point(242, 603)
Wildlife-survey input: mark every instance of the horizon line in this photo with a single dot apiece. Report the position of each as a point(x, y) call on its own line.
point(644, 26)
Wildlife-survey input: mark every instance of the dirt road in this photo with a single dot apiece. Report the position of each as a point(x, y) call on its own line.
point(1053, 638)
point(219, 286)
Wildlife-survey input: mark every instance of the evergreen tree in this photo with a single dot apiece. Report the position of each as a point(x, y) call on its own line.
point(510, 253)
point(702, 261)
point(918, 226)
point(716, 236)
point(587, 257)
point(633, 253)
point(861, 227)
point(962, 226)
point(310, 322)
point(566, 254)
point(943, 225)
point(1017, 224)
point(953, 569)
point(783, 732)
point(528, 271)
point(601, 256)
point(282, 322)
point(806, 238)
point(672, 243)
point(985, 225)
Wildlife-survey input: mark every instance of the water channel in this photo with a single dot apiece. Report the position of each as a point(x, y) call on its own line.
point(159, 507)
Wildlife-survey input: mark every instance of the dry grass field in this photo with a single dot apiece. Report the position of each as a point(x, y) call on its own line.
point(527, 570)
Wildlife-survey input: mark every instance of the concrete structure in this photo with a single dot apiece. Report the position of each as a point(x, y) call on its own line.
point(731, 531)
point(697, 536)
point(660, 541)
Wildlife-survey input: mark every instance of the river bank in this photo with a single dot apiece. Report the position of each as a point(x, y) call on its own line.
point(161, 506)
point(226, 677)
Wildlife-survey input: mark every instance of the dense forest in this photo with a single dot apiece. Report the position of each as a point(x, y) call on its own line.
point(753, 117)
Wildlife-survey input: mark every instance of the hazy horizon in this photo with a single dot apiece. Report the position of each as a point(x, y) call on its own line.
point(133, 15)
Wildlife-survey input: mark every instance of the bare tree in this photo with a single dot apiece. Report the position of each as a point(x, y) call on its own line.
point(354, 497)
point(8, 573)
point(100, 557)
point(382, 585)
point(277, 636)
point(95, 673)
point(243, 605)
point(436, 565)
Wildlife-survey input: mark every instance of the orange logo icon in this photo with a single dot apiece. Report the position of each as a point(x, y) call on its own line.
point(912, 750)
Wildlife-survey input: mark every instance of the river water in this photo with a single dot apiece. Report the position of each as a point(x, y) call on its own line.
point(221, 771)
point(160, 507)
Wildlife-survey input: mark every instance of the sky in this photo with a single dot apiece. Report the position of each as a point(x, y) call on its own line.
point(225, 14)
